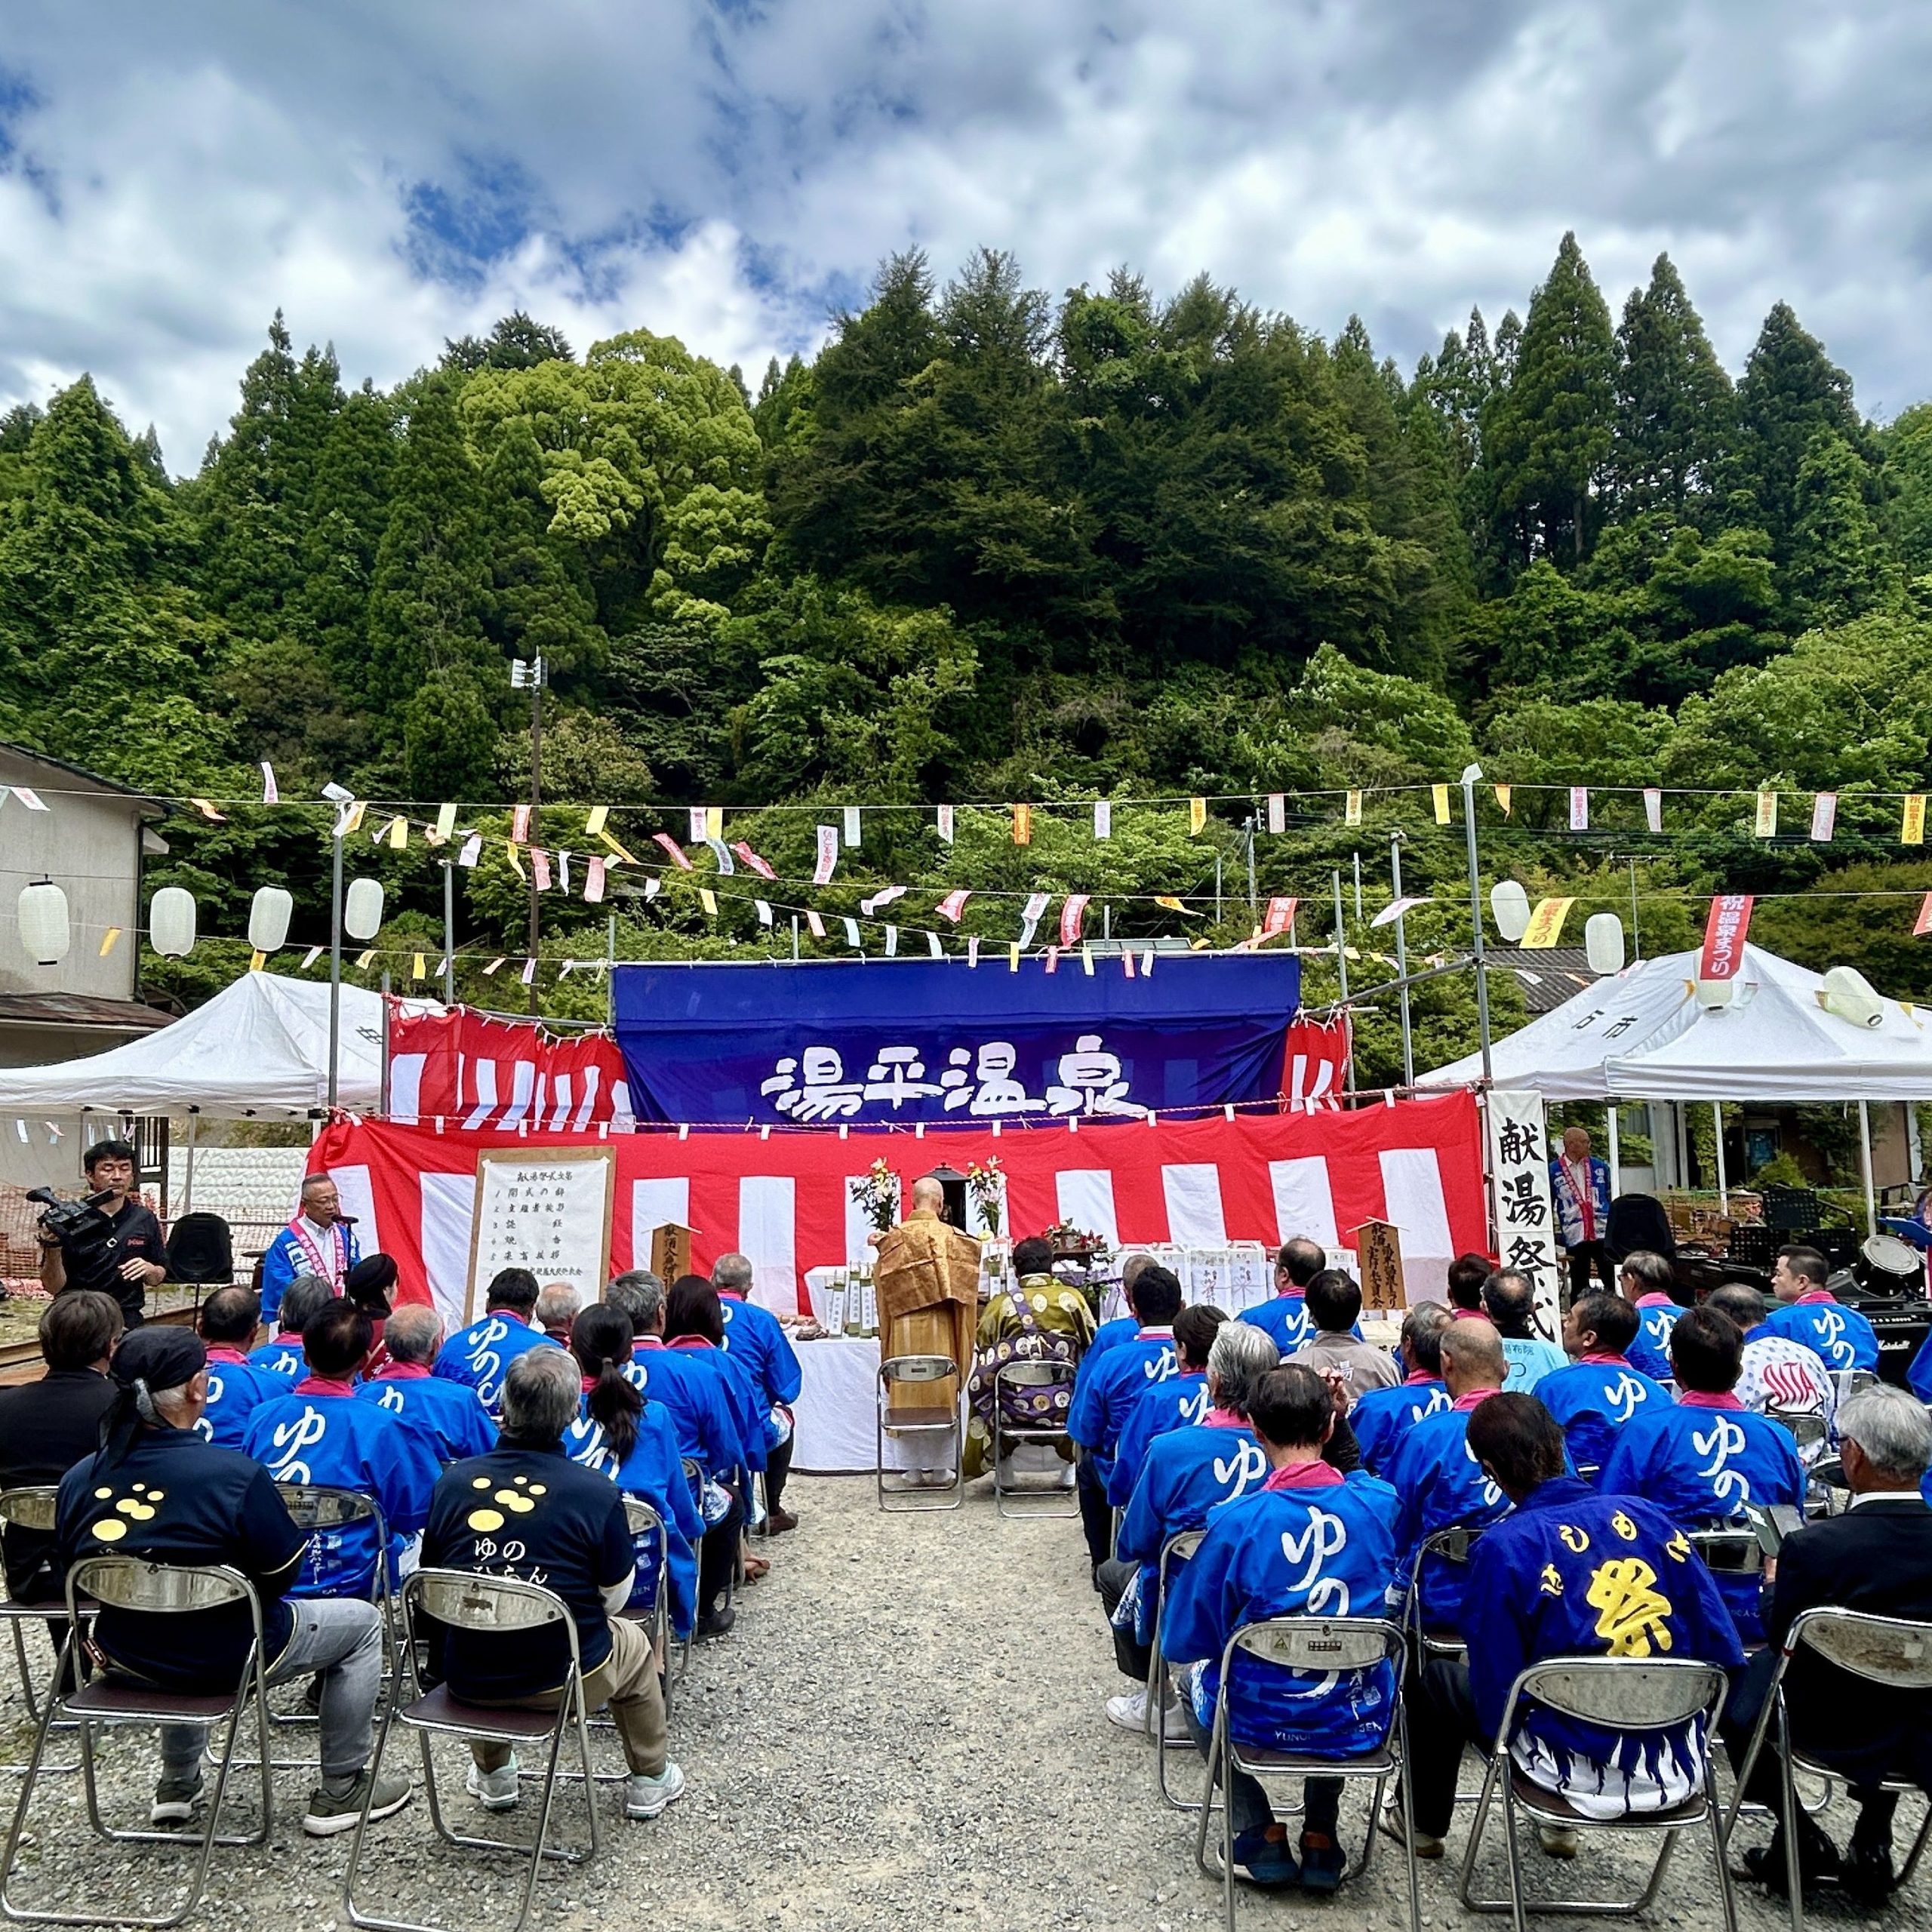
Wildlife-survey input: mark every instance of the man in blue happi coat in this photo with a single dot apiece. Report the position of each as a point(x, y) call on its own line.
point(1600, 1391)
point(319, 1241)
point(306, 1298)
point(755, 1339)
point(1285, 1318)
point(1437, 1477)
point(226, 1325)
point(1648, 1282)
point(320, 1434)
point(1102, 1400)
point(1310, 1541)
point(1570, 1572)
point(1177, 1401)
point(450, 1414)
point(1384, 1417)
point(480, 1354)
point(1808, 1311)
point(1705, 1458)
point(1187, 1471)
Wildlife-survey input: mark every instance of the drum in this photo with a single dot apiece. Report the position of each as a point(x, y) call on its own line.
point(1887, 1267)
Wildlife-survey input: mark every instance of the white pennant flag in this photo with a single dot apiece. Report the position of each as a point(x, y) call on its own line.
point(270, 793)
point(945, 823)
point(1580, 808)
point(828, 855)
point(884, 897)
point(764, 912)
point(727, 866)
point(973, 951)
point(933, 945)
point(472, 850)
point(309, 958)
point(564, 870)
point(593, 883)
point(852, 825)
point(851, 932)
point(529, 972)
point(1029, 919)
point(652, 887)
point(698, 825)
point(1278, 811)
point(816, 924)
point(1824, 817)
point(1653, 808)
point(892, 942)
point(1104, 818)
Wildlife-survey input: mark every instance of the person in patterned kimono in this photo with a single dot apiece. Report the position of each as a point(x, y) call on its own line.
point(1041, 1320)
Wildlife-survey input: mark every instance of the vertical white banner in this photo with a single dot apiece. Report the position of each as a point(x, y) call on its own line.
point(1519, 1141)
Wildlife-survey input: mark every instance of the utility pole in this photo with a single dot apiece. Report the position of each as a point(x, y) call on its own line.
point(1402, 956)
point(534, 675)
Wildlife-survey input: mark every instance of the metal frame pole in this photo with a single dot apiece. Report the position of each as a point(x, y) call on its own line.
point(382, 1089)
point(335, 968)
point(1864, 1167)
point(537, 671)
point(1402, 957)
point(1471, 774)
point(1724, 1183)
point(1616, 1153)
point(449, 933)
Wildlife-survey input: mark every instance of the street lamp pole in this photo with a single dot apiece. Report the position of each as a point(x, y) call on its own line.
point(535, 675)
point(1471, 774)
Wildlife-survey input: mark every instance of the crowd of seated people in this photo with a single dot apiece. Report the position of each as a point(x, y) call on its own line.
point(188, 1447)
point(1634, 1492)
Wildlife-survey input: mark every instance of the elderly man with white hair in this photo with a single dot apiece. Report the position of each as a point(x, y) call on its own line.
point(1876, 1558)
point(450, 1414)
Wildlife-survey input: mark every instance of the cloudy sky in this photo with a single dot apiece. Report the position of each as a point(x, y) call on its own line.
point(731, 170)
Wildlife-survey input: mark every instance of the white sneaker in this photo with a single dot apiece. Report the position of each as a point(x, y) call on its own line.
point(1391, 1825)
point(645, 1798)
point(1129, 1710)
point(495, 1790)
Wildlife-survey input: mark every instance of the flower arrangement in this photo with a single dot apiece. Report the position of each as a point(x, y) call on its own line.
point(984, 1184)
point(1070, 1243)
point(877, 1194)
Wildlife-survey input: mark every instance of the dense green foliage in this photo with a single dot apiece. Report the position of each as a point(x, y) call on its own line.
point(989, 546)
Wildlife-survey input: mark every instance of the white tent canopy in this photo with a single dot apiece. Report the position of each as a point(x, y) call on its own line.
point(259, 1049)
point(1641, 1035)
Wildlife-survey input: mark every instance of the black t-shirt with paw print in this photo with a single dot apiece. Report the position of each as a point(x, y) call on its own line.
point(532, 1514)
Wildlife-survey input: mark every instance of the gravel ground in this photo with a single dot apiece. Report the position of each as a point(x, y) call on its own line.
point(904, 1730)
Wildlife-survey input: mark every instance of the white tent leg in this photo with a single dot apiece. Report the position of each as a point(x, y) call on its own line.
point(1615, 1161)
point(1724, 1186)
point(1864, 1167)
point(188, 1185)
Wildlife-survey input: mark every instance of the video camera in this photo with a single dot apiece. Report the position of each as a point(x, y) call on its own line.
point(80, 1225)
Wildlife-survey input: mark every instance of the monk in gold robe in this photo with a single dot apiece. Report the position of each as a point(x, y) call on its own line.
point(927, 1281)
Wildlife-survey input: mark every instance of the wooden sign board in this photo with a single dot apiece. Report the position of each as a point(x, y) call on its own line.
point(547, 1209)
point(671, 1251)
point(1379, 1255)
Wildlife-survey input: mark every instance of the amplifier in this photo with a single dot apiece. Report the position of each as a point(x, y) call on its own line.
point(1901, 1322)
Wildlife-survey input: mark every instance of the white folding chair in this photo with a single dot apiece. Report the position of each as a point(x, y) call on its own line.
point(1174, 1551)
point(920, 1424)
point(1621, 1694)
point(1891, 1650)
point(1324, 1645)
point(478, 1602)
point(1034, 1384)
point(132, 1585)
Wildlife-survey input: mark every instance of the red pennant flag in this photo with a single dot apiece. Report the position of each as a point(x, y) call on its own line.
point(744, 851)
point(1053, 959)
point(675, 851)
point(1724, 934)
point(1071, 914)
point(952, 904)
point(1924, 924)
point(1281, 918)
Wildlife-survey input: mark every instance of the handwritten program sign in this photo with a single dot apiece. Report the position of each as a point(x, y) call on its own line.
point(1519, 1174)
point(544, 1209)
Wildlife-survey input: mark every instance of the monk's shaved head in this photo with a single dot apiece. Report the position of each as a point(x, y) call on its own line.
point(927, 1193)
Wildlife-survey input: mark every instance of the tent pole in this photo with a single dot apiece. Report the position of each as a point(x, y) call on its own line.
point(382, 1096)
point(335, 967)
point(1470, 774)
point(1864, 1167)
point(188, 1186)
point(1616, 1160)
point(1724, 1186)
point(1402, 957)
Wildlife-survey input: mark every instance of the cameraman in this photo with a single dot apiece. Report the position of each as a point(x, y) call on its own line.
point(125, 1259)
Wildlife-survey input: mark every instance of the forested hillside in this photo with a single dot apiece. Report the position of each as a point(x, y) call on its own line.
point(990, 547)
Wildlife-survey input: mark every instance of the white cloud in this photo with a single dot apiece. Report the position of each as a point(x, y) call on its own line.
point(389, 176)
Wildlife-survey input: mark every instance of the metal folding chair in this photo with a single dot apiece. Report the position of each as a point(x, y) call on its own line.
point(132, 1583)
point(1890, 1650)
point(919, 1424)
point(1451, 1544)
point(466, 1600)
point(33, 1506)
point(1624, 1694)
point(1318, 1645)
point(1032, 1378)
point(1176, 1550)
point(694, 1476)
point(644, 1520)
point(1807, 1427)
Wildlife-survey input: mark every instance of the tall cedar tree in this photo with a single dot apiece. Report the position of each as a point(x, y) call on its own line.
point(1674, 401)
point(1838, 569)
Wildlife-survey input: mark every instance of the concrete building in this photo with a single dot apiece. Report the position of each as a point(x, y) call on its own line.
point(92, 841)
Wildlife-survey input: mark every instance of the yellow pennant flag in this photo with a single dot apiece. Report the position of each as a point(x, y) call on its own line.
point(516, 862)
point(362, 963)
point(1352, 809)
point(1502, 792)
point(206, 810)
point(1546, 925)
point(257, 960)
point(1022, 824)
point(110, 939)
point(418, 967)
point(1912, 832)
point(1086, 961)
point(445, 820)
point(493, 966)
point(1197, 815)
point(714, 821)
point(1765, 824)
point(613, 845)
point(595, 819)
point(352, 817)
point(1175, 906)
point(1012, 958)
point(1440, 794)
point(398, 834)
point(708, 899)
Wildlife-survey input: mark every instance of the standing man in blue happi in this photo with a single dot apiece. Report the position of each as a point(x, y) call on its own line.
point(318, 1241)
point(1580, 1188)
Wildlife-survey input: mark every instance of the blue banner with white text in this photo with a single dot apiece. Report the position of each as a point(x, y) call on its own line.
point(829, 1042)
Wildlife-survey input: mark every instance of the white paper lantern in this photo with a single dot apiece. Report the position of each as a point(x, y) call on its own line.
point(1712, 994)
point(1847, 994)
point(269, 917)
point(1510, 906)
point(171, 922)
point(43, 918)
point(1603, 941)
point(362, 909)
